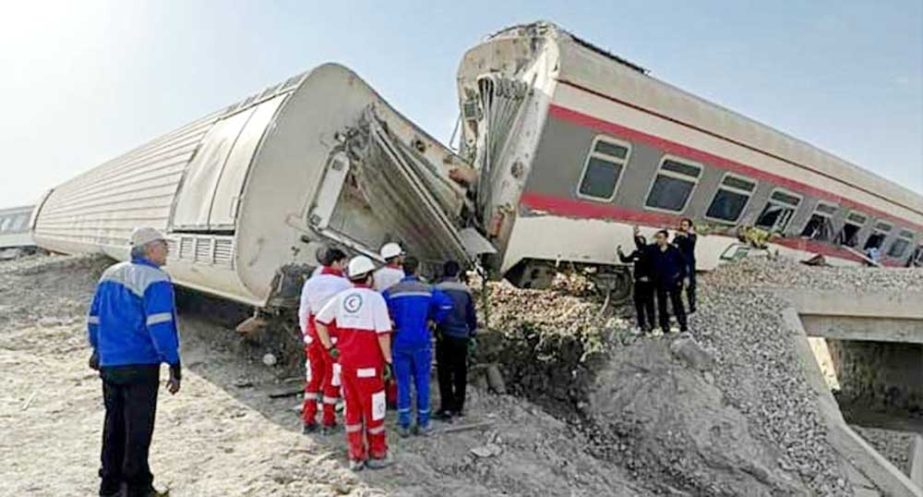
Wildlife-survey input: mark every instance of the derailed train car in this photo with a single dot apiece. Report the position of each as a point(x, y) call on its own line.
point(574, 146)
point(564, 147)
point(249, 194)
point(15, 235)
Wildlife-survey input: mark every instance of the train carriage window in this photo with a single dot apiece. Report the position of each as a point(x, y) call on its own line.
point(899, 247)
point(603, 169)
point(878, 236)
point(916, 260)
point(778, 211)
point(732, 196)
point(820, 226)
point(673, 185)
point(5, 223)
point(849, 235)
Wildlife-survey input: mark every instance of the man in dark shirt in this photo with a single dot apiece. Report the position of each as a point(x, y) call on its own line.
point(685, 241)
point(669, 276)
point(453, 337)
point(643, 276)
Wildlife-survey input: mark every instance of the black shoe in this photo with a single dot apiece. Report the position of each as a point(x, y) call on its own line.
point(444, 415)
point(147, 492)
point(327, 430)
point(309, 429)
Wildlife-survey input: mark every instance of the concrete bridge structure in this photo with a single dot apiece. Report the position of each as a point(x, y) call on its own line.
point(876, 347)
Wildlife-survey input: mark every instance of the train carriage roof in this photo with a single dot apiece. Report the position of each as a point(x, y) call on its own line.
point(594, 68)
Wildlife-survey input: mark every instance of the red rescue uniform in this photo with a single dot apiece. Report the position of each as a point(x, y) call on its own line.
point(322, 373)
point(359, 316)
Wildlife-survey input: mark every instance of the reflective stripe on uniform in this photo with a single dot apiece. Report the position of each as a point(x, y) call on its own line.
point(410, 294)
point(366, 372)
point(310, 396)
point(353, 428)
point(376, 430)
point(330, 400)
point(161, 317)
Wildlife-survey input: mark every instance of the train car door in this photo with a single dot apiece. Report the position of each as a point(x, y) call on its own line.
point(210, 191)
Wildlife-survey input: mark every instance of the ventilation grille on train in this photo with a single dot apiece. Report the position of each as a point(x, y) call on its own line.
point(186, 247)
point(203, 250)
point(224, 252)
point(210, 250)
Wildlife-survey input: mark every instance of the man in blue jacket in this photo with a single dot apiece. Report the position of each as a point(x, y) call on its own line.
point(132, 330)
point(454, 335)
point(413, 304)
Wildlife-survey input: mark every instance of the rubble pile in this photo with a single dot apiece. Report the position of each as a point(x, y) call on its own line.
point(788, 273)
point(548, 343)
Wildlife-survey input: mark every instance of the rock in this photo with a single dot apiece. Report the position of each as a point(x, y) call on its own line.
point(482, 452)
point(269, 359)
point(687, 349)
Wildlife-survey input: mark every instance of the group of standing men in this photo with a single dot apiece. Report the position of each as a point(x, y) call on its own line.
point(366, 329)
point(662, 270)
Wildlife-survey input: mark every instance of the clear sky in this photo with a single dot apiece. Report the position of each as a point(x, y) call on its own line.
point(82, 82)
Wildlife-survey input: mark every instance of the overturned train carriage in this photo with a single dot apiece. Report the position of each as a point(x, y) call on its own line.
point(249, 194)
point(563, 148)
point(574, 145)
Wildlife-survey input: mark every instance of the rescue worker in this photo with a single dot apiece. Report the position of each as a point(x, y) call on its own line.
point(413, 304)
point(360, 317)
point(385, 277)
point(322, 373)
point(669, 276)
point(454, 343)
point(643, 280)
point(132, 330)
point(685, 240)
point(391, 272)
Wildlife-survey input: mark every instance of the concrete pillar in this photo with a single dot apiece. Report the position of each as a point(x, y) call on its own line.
point(882, 375)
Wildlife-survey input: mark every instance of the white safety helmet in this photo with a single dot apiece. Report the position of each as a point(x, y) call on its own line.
point(359, 266)
point(390, 250)
point(144, 235)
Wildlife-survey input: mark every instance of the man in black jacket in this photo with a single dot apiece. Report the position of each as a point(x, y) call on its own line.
point(455, 335)
point(669, 277)
point(643, 276)
point(685, 241)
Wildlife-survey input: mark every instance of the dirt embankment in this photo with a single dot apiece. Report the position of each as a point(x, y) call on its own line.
point(222, 435)
point(722, 412)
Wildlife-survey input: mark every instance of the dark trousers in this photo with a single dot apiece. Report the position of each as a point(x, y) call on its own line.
point(452, 370)
point(130, 396)
point(673, 292)
point(644, 304)
point(690, 290)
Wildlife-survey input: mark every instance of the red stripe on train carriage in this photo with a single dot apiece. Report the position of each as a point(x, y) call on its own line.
point(679, 149)
point(568, 207)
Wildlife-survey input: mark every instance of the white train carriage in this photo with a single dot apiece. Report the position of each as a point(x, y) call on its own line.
point(575, 145)
point(15, 235)
point(247, 195)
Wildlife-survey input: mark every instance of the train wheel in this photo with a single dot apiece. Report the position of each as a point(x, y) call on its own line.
point(615, 283)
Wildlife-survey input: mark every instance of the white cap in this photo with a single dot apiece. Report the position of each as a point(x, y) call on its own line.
point(144, 235)
point(359, 265)
point(390, 250)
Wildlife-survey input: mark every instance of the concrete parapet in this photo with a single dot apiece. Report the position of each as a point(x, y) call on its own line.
point(855, 451)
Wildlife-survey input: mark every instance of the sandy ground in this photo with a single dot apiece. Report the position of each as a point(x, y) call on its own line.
point(218, 439)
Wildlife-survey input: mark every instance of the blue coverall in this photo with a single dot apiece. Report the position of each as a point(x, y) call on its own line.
point(412, 304)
